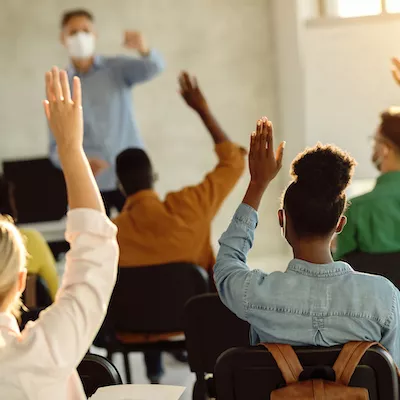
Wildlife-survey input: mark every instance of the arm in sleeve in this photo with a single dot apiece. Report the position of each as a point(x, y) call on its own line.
point(65, 330)
point(231, 274)
point(206, 198)
point(137, 70)
point(347, 239)
point(391, 336)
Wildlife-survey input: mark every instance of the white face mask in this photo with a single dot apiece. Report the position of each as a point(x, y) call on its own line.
point(81, 45)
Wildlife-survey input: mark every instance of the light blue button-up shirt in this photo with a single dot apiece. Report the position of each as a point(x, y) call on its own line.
point(109, 119)
point(309, 304)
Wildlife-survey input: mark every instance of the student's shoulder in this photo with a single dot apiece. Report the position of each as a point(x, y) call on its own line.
point(359, 201)
point(378, 284)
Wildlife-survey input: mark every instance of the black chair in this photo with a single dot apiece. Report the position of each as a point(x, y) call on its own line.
point(210, 329)
point(40, 193)
point(387, 265)
point(96, 372)
point(252, 373)
point(148, 301)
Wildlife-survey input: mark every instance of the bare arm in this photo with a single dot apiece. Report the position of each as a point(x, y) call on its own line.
point(195, 99)
point(66, 122)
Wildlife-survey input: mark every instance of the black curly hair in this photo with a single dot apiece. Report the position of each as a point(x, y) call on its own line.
point(316, 198)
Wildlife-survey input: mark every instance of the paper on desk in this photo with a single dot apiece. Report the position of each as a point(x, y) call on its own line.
point(139, 392)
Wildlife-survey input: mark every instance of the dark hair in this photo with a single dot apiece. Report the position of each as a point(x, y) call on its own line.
point(134, 170)
point(390, 126)
point(5, 191)
point(315, 199)
point(79, 12)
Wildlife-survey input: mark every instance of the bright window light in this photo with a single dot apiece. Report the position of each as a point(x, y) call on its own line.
point(360, 8)
point(393, 6)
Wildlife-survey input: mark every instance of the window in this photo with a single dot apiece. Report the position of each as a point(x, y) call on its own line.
point(358, 8)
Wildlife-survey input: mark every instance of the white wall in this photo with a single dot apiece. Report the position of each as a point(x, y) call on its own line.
point(227, 43)
point(348, 82)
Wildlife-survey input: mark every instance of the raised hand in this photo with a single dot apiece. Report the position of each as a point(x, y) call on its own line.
point(191, 93)
point(264, 164)
point(134, 40)
point(396, 69)
point(64, 113)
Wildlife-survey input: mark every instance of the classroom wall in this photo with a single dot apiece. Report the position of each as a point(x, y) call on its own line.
point(228, 44)
point(348, 82)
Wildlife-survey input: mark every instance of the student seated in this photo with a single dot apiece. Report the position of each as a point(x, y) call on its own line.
point(373, 219)
point(40, 260)
point(152, 231)
point(40, 362)
point(316, 301)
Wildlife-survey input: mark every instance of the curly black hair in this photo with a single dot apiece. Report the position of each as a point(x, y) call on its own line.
point(316, 198)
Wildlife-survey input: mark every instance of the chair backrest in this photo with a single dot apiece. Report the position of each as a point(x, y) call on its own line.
point(95, 372)
point(152, 299)
point(252, 373)
point(387, 265)
point(40, 191)
point(210, 329)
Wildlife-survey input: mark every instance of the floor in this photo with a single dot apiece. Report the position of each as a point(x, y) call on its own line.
point(176, 373)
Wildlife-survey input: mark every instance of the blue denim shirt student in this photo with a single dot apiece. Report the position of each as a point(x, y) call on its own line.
point(312, 303)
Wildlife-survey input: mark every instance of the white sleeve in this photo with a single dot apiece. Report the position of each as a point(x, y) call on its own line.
point(63, 333)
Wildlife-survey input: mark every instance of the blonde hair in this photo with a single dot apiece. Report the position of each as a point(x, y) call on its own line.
point(13, 257)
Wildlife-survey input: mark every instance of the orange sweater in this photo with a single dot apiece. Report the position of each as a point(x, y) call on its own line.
point(151, 231)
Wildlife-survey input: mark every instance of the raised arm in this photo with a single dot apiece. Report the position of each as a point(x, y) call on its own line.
point(207, 197)
point(64, 332)
point(231, 274)
point(139, 69)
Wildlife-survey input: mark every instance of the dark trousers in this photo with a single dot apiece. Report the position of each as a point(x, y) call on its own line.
point(154, 365)
point(113, 198)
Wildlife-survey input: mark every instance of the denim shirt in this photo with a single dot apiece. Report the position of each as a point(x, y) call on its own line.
point(110, 124)
point(308, 304)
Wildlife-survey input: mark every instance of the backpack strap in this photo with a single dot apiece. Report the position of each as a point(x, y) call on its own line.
point(287, 361)
point(348, 360)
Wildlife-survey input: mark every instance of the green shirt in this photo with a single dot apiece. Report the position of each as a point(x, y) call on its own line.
point(373, 220)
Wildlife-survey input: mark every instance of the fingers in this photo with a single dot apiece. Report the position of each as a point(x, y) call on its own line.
point(264, 134)
point(46, 107)
point(182, 82)
point(77, 92)
point(270, 136)
point(279, 155)
point(57, 84)
point(66, 91)
point(49, 86)
point(396, 75)
point(396, 62)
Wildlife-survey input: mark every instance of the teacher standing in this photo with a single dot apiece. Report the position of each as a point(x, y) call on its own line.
point(109, 118)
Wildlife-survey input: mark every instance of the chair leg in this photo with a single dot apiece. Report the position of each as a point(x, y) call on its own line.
point(127, 368)
point(200, 388)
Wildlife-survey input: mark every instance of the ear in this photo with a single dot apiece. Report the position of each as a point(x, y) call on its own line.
point(385, 150)
point(22, 280)
point(341, 224)
point(280, 217)
point(62, 38)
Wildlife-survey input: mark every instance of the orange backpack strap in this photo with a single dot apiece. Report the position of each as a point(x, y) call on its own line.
point(287, 361)
point(348, 360)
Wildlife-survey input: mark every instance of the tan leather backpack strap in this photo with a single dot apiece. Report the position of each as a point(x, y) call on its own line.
point(287, 361)
point(348, 360)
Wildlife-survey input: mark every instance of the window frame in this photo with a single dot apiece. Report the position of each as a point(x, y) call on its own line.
point(323, 17)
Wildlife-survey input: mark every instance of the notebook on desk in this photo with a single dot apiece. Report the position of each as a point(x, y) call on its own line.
point(139, 392)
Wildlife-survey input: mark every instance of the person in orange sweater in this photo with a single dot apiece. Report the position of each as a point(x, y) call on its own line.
point(152, 231)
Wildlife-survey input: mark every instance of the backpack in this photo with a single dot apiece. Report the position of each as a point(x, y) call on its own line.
point(319, 389)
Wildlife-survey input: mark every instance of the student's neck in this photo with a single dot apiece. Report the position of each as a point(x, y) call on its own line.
point(83, 66)
point(315, 252)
